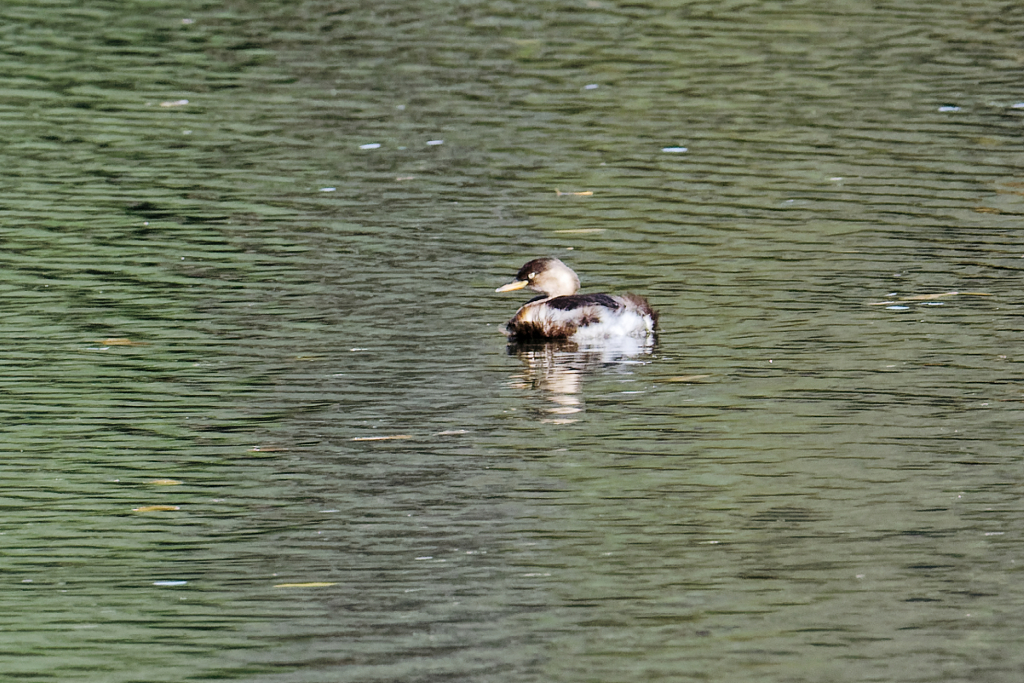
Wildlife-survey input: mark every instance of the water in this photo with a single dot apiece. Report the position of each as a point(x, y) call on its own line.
point(260, 424)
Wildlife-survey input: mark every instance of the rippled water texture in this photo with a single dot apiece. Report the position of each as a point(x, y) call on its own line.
point(260, 424)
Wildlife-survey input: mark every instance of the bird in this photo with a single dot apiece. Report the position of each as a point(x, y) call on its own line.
point(559, 313)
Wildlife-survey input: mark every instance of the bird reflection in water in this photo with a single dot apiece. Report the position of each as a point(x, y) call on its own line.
point(558, 368)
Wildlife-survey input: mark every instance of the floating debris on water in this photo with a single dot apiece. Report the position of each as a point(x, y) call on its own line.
point(174, 103)
point(674, 150)
point(156, 508)
point(118, 341)
point(928, 297)
point(585, 193)
point(370, 145)
point(949, 107)
point(923, 297)
point(435, 142)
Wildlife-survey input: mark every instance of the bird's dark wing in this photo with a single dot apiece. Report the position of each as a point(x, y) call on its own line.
point(574, 301)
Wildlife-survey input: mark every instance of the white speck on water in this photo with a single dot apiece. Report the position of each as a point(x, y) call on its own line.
point(435, 142)
point(897, 308)
point(591, 86)
point(674, 150)
point(949, 107)
point(370, 145)
point(328, 189)
point(400, 107)
point(169, 583)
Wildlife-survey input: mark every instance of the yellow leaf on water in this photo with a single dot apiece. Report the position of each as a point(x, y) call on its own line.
point(311, 584)
point(559, 193)
point(118, 341)
point(156, 508)
point(382, 438)
point(163, 482)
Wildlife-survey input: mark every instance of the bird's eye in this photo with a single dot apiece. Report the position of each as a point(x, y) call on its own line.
point(530, 276)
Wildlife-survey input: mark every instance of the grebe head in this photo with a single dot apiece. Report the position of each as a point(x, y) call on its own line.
point(549, 276)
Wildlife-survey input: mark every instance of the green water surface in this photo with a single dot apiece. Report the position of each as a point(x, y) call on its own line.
point(242, 242)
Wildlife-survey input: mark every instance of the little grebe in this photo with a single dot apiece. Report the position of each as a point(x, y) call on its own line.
point(561, 313)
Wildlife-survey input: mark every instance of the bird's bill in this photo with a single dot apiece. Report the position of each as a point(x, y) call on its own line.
point(512, 286)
